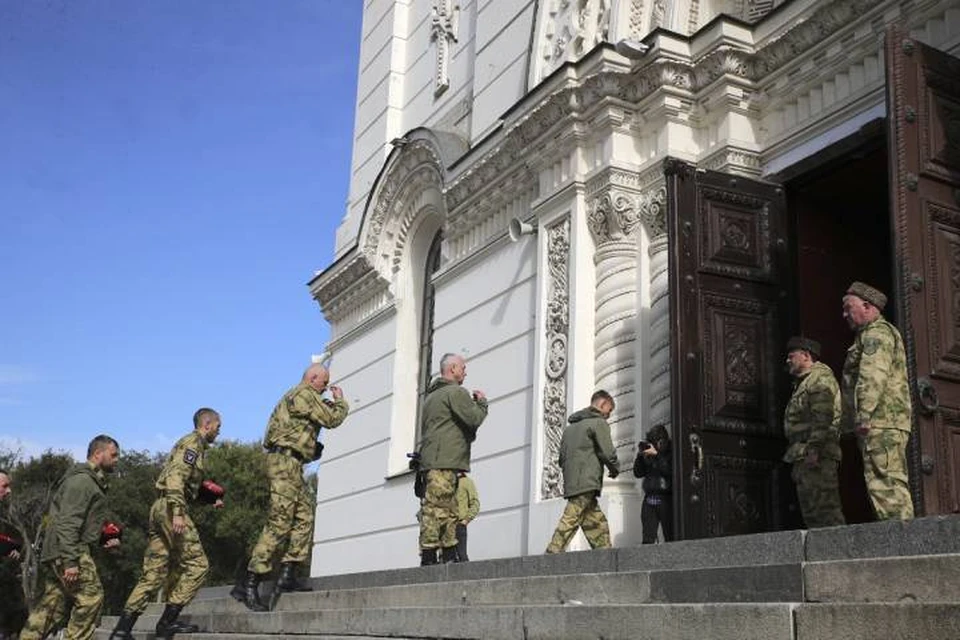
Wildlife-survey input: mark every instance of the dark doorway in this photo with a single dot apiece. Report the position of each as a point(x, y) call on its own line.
point(841, 213)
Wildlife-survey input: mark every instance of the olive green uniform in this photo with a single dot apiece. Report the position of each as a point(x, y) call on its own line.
point(450, 421)
point(73, 524)
point(585, 449)
point(290, 441)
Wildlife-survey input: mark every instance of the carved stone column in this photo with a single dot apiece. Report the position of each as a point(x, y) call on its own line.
point(615, 219)
point(659, 327)
point(556, 334)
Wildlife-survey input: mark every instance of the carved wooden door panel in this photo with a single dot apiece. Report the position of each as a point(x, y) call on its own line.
point(729, 296)
point(923, 107)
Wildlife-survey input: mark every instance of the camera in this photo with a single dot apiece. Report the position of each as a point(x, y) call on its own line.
point(645, 445)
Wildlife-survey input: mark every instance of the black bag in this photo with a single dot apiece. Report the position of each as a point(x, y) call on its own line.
point(317, 451)
point(420, 477)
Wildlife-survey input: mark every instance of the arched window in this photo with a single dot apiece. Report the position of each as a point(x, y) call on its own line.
point(426, 324)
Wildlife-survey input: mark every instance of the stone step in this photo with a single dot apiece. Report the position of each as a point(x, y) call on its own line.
point(934, 578)
point(538, 622)
point(889, 621)
point(899, 621)
point(773, 583)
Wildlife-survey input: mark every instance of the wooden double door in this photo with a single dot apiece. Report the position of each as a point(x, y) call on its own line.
point(749, 269)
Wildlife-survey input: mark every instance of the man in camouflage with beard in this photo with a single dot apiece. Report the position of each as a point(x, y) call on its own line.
point(876, 401)
point(811, 423)
point(174, 553)
point(291, 442)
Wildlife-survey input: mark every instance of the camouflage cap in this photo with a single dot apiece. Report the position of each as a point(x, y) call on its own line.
point(806, 344)
point(868, 293)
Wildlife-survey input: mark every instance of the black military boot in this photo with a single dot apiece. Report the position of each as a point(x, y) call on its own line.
point(168, 625)
point(449, 554)
point(428, 557)
point(124, 628)
point(251, 595)
point(288, 579)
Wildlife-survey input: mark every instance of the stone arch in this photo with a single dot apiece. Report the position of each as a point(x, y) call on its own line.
point(409, 186)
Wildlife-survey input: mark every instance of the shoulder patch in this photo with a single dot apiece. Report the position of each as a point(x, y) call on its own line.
point(190, 457)
point(871, 345)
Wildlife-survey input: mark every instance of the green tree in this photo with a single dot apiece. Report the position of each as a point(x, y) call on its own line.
point(130, 494)
point(229, 533)
point(33, 482)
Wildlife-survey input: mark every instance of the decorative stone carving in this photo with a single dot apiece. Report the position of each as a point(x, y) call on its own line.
point(557, 327)
point(355, 290)
point(444, 19)
point(615, 214)
point(658, 14)
point(394, 204)
point(571, 28)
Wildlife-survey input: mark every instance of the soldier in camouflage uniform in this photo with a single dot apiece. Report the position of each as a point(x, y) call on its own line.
point(451, 417)
point(585, 449)
point(811, 423)
point(174, 553)
point(291, 442)
point(876, 401)
point(71, 587)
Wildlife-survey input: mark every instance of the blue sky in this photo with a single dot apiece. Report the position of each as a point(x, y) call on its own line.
point(171, 174)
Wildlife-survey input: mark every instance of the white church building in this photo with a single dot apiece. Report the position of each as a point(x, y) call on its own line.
point(644, 196)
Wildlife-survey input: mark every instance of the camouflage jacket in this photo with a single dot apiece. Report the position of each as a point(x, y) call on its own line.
point(875, 384)
point(585, 449)
point(811, 421)
point(296, 420)
point(181, 476)
point(76, 514)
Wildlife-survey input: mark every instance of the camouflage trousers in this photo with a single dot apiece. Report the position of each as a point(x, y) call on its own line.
point(439, 513)
point(81, 601)
point(818, 490)
point(581, 512)
point(173, 562)
point(885, 470)
point(290, 519)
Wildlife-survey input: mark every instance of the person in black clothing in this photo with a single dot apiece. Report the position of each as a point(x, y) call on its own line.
point(655, 466)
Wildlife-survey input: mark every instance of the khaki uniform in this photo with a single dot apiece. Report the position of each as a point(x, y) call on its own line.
point(450, 421)
point(292, 433)
point(74, 521)
point(876, 391)
point(176, 562)
point(585, 449)
point(811, 423)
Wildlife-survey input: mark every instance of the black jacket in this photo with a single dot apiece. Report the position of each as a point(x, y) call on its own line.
point(656, 471)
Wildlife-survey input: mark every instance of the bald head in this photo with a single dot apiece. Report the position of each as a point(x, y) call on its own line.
point(317, 376)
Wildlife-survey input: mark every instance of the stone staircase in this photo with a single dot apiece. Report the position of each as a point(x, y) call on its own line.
point(878, 581)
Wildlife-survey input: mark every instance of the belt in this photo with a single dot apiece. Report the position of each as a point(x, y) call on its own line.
point(286, 451)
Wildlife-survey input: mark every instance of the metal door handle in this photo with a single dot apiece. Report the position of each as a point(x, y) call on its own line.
point(697, 450)
point(927, 395)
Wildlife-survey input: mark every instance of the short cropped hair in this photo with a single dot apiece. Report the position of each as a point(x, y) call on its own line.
point(102, 441)
point(600, 394)
point(204, 415)
point(447, 360)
